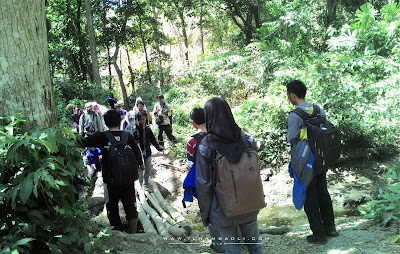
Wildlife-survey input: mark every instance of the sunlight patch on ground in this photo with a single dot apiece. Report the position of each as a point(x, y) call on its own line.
point(350, 250)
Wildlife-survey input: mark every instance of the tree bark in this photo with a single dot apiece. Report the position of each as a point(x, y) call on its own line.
point(331, 11)
point(156, 43)
point(128, 12)
point(146, 223)
point(131, 71)
point(25, 86)
point(144, 48)
point(68, 35)
point(201, 27)
point(92, 43)
point(109, 68)
point(81, 43)
point(151, 212)
point(185, 38)
point(172, 211)
point(120, 77)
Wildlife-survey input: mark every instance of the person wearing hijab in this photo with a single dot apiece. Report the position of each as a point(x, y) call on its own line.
point(129, 122)
point(223, 137)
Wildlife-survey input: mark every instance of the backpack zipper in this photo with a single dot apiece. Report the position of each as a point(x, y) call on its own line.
point(234, 186)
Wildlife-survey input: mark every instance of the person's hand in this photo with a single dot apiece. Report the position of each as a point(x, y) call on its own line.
point(142, 167)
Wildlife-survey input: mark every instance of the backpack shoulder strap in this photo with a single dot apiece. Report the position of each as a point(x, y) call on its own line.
point(303, 115)
point(246, 146)
point(110, 137)
point(124, 137)
point(316, 110)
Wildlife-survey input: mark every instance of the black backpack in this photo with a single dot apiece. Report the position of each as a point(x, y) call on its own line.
point(121, 160)
point(323, 137)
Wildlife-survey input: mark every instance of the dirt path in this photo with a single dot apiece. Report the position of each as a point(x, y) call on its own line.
point(350, 184)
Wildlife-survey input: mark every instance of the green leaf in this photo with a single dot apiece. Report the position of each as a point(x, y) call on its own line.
point(48, 145)
point(22, 242)
point(396, 239)
point(14, 194)
point(69, 132)
point(88, 247)
point(26, 189)
point(54, 248)
point(60, 183)
point(36, 183)
point(47, 178)
point(37, 214)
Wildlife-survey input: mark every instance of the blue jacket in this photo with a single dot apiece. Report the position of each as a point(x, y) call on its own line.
point(93, 157)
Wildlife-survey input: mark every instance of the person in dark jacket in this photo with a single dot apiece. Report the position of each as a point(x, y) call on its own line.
point(144, 135)
point(223, 136)
point(75, 115)
point(113, 193)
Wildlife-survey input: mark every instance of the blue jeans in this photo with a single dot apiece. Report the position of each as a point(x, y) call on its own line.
point(144, 174)
point(250, 235)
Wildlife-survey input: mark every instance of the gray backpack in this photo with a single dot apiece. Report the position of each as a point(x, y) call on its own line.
point(301, 162)
point(238, 186)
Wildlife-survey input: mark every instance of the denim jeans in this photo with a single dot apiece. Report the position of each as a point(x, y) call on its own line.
point(250, 235)
point(318, 206)
point(144, 174)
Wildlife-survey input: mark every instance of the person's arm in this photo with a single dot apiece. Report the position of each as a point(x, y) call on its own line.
point(76, 125)
point(149, 118)
point(81, 125)
point(204, 182)
point(95, 140)
point(190, 152)
point(99, 123)
point(156, 109)
point(168, 109)
point(153, 140)
point(294, 126)
point(87, 161)
point(136, 151)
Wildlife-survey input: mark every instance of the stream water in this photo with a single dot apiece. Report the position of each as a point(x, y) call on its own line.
point(289, 216)
point(284, 216)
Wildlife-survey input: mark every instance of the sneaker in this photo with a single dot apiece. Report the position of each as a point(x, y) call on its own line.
point(316, 239)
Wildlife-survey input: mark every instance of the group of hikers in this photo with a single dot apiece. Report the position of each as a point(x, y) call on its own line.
point(223, 164)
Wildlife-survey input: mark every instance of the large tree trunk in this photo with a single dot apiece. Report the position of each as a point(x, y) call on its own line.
point(185, 38)
point(128, 13)
point(92, 43)
point(331, 11)
point(25, 85)
point(81, 41)
point(131, 71)
point(120, 77)
point(144, 48)
point(157, 45)
point(201, 27)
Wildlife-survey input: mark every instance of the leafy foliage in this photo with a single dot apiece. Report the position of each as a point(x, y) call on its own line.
point(386, 207)
point(37, 194)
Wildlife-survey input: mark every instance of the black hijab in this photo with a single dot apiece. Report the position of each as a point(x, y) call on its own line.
point(222, 131)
